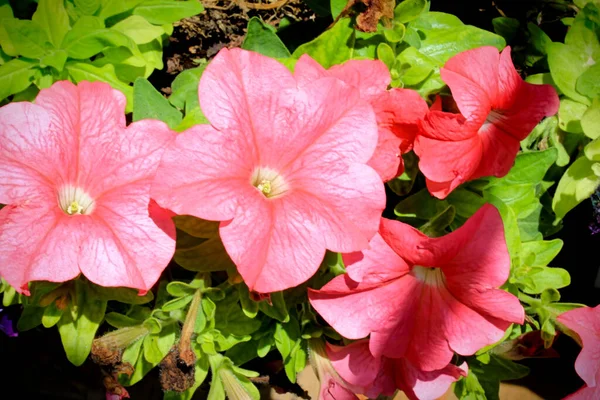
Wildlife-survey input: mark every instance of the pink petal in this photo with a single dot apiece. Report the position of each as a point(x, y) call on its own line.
point(86, 122)
point(271, 244)
point(418, 384)
point(471, 76)
point(247, 96)
point(27, 167)
point(343, 204)
point(377, 264)
point(509, 82)
point(499, 152)
point(308, 70)
point(585, 393)
point(586, 323)
point(333, 390)
point(39, 242)
point(398, 113)
point(450, 162)
point(445, 126)
point(384, 309)
point(370, 77)
point(217, 165)
point(124, 246)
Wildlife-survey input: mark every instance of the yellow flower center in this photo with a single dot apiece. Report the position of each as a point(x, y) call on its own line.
point(429, 276)
point(269, 182)
point(75, 201)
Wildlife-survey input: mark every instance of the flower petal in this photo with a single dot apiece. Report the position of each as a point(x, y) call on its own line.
point(499, 152)
point(343, 203)
point(418, 384)
point(308, 70)
point(586, 323)
point(370, 77)
point(26, 166)
point(585, 393)
point(272, 244)
point(39, 243)
point(215, 179)
point(471, 76)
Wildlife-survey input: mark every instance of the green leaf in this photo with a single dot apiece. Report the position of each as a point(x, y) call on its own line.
point(262, 39)
point(538, 279)
point(79, 323)
point(185, 89)
point(445, 36)
point(52, 17)
point(177, 303)
point(511, 229)
point(156, 346)
point(570, 114)
point(249, 306)
point(337, 6)
point(89, 37)
point(588, 83)
point(332, 47)
point(230, 319)
point(577, 184)
point(288, 340)
point(121, 321)
point(409, 10)
point(87, 7)
point(5, 10)
point(148, 103)
point(278, 310)
point(30, 318)
point(592, 150)
point(415, 66)
point(134, 355)
point(529, 168)
point(56, 59)
point(160, 12)
point(138, 29)
point(80, 71)
point(541, 252)
point(395, 34)
point(567, 63)
point(16, 75)
point(23, 37)
point(506, 27)
point(438, 224)
point(465, 202)
point(590, 121)
point(52, 314)
point(208, 256)
point(110, 8)
point(386, 54)
point(197, 227)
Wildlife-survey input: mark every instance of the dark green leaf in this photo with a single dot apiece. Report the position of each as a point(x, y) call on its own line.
point(506, 27)
point(262, 39)
point(148, 103)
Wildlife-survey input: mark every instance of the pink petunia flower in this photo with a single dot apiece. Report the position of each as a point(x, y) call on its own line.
point(374, 376)
point(282, 166)
point(398, 111)
point(585, 322)
point(497, 110)
point(332, 386)
point(76, 182)
point(425, 298)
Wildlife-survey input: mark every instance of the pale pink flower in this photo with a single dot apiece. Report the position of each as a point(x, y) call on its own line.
point(76, 182)
point(424, 298)
point(282, 166)
point(374, 376)
point(332, 386)
point(585, 322)
point(398, 111)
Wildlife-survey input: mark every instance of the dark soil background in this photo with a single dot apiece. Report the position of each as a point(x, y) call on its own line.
point(34, 365)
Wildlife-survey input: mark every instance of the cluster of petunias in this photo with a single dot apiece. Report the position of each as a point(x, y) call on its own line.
point(292, 165)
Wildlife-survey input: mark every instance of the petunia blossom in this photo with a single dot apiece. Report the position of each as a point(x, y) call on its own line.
point(398, 111)
point(374, 376)
point(497, 110)
point(282, 166)
point(424, 298)
point(585, 322)
point(76, 181)
point(332, 386)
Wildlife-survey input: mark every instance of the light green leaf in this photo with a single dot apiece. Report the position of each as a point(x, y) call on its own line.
point(278, 310)
point(409, 10)
point(52, 17)
point(160, 12)
point(538, 279)
point(262, 39)
point(230, 319)
point(334, 46)
point(386, 54)
point(121, 321)
point(465, 202)
point(570, 114)
point(588, 83)
point(529, 168)
point(148, 103)
point(122, 295)
point(577, 184)
point(138, 29)
point(185, 89)
point(567, 63)
point(56, 59)
point(79, 323)
point(52, 314)
point(16, 75)
point(156, 346)
point(592, 150)
point(87, 72)
point(116, 7)
point(128, 66)
point(395, 34)
point(5, 10)
point(337, 6)
point(87, 7)
point(414, 66)
point(590, 121)
point(89, 37)
point(23, 37)
point(288, 340)
point(541, 252)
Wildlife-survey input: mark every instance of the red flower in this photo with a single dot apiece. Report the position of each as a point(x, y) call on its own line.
point(424, 298)
point(497, 110)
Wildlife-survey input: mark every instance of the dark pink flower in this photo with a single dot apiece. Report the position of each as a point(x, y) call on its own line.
point(282, 166)
point(585, 322)
point(398, 111)
point(374, 376)
point(424, 298)
point(497, 110)
point(77, 184)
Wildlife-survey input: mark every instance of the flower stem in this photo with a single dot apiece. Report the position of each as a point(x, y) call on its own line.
point(186, 354)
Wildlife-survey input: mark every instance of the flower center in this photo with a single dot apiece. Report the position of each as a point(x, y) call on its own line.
point(429, 276)
point(268, 182)
point(74, 200)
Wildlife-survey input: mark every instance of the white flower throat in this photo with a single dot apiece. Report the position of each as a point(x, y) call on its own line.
point(74, 200)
